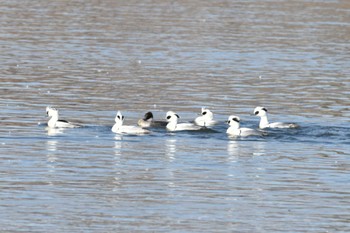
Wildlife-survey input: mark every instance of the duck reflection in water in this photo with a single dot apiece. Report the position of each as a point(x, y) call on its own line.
point(118, 145)
point(237, 148)
point(54, 131)
point(170, 144)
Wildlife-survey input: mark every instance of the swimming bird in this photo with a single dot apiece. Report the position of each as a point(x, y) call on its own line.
point(54, 122)
point(118, 127)
point(235, 130)
point(205, 119)
point(172, 119)
point(264, 123)
point(147, 121)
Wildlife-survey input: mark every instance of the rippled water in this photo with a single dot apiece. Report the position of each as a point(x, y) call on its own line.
point(92, 58)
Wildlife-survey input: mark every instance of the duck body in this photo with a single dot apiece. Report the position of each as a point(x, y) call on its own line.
point(182, 126)
point(129, 129)
point(54, 122)
point(119, 128)
point(264, 122)
point(243, 132)
point(205, 119)
point(235, 130)
point(173, 124)
point(280, 125)
point(147, 121)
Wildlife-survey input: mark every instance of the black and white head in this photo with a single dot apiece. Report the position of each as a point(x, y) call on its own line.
point(260, 111)
point(207, 113)
point(171, 116)
point(148, 116)
point(233, 120)
point(50, 111)
point(119, 118)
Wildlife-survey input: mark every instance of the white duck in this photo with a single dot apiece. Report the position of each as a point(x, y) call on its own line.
point(147, 121)
point(118, 127)
point(205, 119)
point(264, 123)
point(54, 122)
point(235, 130)
point(172, 125)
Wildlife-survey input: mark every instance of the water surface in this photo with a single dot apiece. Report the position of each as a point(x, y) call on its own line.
point(92, 58)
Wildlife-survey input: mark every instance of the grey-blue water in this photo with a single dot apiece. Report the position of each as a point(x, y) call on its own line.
point(92, 58)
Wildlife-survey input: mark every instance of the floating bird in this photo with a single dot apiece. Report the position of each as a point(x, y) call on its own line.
point(205, 119)
point(235, 130)
point(147, 121)
point(54, 122)
point(264, 123)
point(172, 125)
point(118, 127)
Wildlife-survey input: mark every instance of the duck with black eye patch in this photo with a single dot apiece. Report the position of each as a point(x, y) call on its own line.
point(148, 121)
point(173, 125)
point(54, 122)
point(235, 130)
point(119, 128)
point(205, 119)
point(264, 123)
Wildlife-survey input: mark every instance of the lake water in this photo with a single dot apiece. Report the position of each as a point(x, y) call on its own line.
point(92, 58)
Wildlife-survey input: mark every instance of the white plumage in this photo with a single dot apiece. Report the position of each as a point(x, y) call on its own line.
point(54, 122)
point(118, 127)
point(205, 119)
point(173, 124)
point(264, 123)
point(235, 130)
